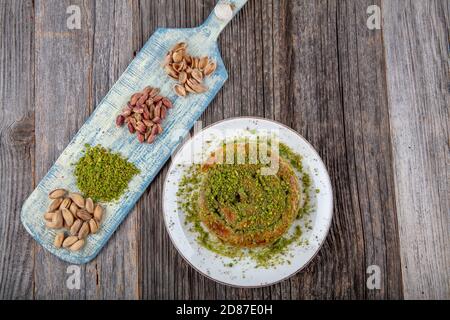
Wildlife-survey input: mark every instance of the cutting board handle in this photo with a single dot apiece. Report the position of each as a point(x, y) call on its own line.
point(222, 14)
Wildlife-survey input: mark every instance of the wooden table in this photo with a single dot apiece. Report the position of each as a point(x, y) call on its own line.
point(374, 103)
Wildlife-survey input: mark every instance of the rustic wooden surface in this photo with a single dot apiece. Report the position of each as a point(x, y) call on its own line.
point(374, 103)
point(419, 100)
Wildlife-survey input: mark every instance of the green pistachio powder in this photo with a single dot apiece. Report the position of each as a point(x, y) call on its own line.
point(102, 175)
point(267, 256)
point(243, 188)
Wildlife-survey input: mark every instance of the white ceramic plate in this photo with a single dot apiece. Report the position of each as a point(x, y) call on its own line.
point(243, 273)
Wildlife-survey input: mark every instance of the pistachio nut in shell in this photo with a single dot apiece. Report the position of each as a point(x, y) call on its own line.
point(73, 209)
point(77, 245)
point(69, 241)
point(57, 193)
point(65, 204)
point(89, 205)
point(78, 199)
point(55, 204)
point(93, 226)
point(84, 215)
point(48, 216)
point(84, 230)
point(68, 217)
point(57, 220)
point(76, 227)
point(59, 238)
point(98, 213)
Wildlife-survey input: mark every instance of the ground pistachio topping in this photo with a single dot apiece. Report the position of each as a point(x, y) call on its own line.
point(103, 175)
point(296, 162)
point(224, 187)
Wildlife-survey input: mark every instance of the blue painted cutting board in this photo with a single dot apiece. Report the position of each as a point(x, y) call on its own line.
point(144, 70)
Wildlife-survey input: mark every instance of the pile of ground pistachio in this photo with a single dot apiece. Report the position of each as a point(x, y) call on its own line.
point(103, 175)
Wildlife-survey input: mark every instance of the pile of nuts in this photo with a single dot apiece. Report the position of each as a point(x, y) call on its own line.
point(79, 216)
point(144, 113)
point(187, 70)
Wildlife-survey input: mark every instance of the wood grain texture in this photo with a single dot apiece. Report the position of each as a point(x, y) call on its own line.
point(113, 49)
point(336, 98)
point(62, 105)
point(373, 103)
point(16, 145)
point(417, 56)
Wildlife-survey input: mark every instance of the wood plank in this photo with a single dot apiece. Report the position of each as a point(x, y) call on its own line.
point(367, 142)
point(116, 267)
point(338, 102)
point(16, 146)
point(416, 40)
point(63, 98)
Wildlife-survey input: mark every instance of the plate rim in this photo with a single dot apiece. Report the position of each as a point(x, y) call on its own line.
point(328, 227)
